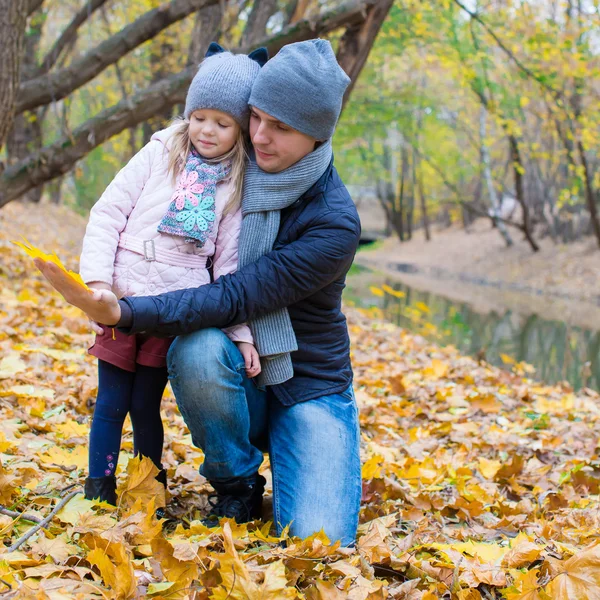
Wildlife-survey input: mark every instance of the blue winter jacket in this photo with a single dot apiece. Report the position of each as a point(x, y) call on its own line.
point(305, 272)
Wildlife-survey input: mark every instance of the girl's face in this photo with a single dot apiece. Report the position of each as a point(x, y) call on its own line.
point(213, 132)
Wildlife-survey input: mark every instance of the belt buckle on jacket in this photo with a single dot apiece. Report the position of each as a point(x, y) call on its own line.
point(149, 251)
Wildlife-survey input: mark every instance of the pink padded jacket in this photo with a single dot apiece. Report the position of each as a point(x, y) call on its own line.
point(123, 248)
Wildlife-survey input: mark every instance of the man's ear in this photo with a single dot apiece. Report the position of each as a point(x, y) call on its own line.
point(213, 49)
point(260, 55)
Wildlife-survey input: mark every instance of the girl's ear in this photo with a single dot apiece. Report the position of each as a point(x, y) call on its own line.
point(214, 48)
point(260, 55)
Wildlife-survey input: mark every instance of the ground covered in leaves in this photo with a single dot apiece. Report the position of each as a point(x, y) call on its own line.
point(478, 483)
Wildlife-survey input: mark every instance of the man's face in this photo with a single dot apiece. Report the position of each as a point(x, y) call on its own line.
point(277, 145)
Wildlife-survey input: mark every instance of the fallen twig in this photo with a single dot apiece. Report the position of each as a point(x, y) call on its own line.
point(17, 515)
point(42, 523)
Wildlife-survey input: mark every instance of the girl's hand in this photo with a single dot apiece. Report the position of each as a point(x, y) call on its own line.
point(98, 285)
point(101, 306)
point(251, 358)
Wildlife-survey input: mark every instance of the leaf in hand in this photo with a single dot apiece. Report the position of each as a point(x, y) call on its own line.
point(34, 252)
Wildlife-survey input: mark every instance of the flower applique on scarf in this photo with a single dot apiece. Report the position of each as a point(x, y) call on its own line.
point(191, 212)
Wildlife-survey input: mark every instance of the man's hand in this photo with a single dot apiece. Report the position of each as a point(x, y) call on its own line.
point(251, 358)
point(100, 306)
point(98, 285)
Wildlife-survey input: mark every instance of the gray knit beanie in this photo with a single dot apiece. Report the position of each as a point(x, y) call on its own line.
point(302, 86)
point(223, 82)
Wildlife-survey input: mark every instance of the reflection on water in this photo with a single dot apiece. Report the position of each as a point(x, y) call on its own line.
point(556, 350)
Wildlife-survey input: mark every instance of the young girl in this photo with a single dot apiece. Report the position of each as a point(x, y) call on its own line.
point(169, 216)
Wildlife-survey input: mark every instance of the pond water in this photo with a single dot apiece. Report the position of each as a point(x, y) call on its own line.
point(557, 350)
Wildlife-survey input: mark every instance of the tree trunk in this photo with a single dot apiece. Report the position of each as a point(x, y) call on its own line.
point(485, 159)
point(25, 135)
point(590, 196)
point(423, 201)
point(13, 16)
point(357, 41)
point(403, 184)
point(518, 171)
point(207, 29)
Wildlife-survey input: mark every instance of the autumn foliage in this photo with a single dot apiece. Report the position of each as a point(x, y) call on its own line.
point(478, 483)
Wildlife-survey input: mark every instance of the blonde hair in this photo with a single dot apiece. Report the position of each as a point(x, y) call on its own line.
point(181, 146)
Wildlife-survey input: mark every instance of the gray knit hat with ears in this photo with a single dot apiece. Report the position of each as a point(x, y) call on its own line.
point(224, 81)
point(302, 86)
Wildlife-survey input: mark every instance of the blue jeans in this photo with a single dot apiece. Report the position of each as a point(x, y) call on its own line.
point(313, 445)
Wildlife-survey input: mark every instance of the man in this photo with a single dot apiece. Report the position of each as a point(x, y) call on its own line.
point(299, 235)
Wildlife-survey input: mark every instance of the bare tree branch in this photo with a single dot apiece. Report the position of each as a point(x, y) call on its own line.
point(55, 86)
point(33, 5)
point(69, 35)
point(57, 159)
point(357, 41)
point(60, 157)
point(348, 14)
point(256, 27)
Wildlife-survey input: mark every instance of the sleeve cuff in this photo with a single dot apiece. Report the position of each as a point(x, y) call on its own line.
point(138, 315)
point(126, 320)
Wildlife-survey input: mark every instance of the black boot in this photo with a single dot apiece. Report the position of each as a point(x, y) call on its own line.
point(101, 488)
point(239, 499)
point(161, 478)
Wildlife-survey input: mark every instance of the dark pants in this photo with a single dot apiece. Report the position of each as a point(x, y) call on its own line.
point(121, 392)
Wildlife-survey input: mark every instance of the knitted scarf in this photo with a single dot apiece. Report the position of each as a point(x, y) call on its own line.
point(265, 195)
point(191, 213)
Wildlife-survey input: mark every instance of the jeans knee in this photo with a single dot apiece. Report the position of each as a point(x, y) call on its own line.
point(198, 354)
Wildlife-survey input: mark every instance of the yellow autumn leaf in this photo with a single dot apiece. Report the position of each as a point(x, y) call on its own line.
point(180, 572)
point(422, 307)
point(159, 588)
point(6, 445)
point(486, 552)
point(66, 457)
point(8, 486)
point(72, 511)
point(29, 391)
point(372, 468)
point(508, 360)
point(275, 584)
point(523, 551)
point(141, 483)
point(11, 365)
point(376, 291)
point(119, 575)
point(34, 252)
point(63, 355)
point(437, 369)
point(525, 587)
point(489, 468)
point(578, 577)
point(392, 292)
